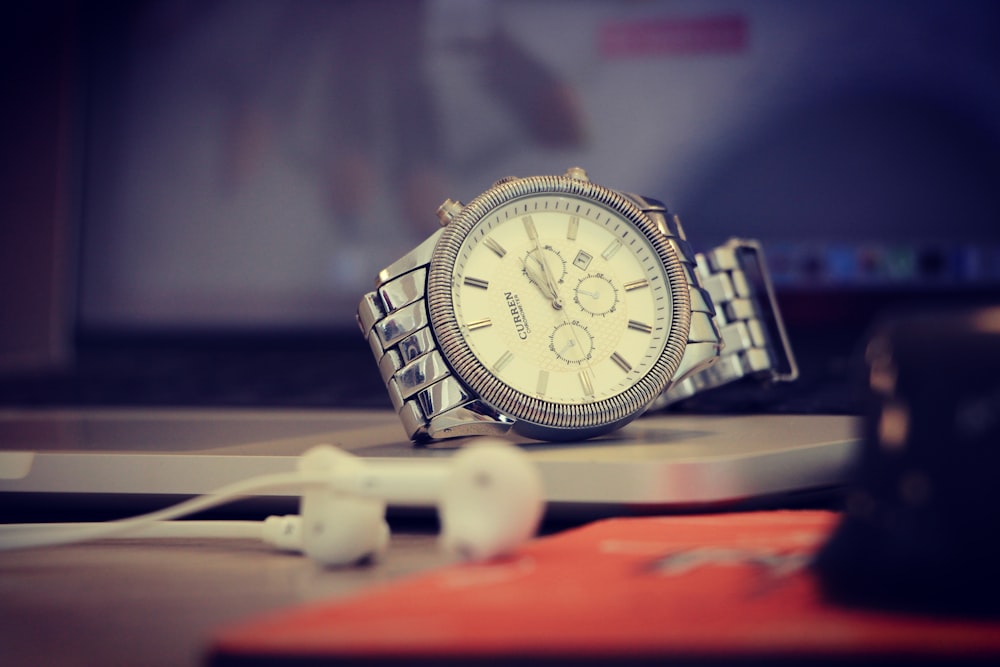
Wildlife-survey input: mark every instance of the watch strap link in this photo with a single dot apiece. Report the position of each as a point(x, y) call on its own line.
point(755, 343)
point(429, 400)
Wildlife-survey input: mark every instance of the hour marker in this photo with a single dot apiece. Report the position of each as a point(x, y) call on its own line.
point(479, 324)
point(612, 248)
point(476, 282)
point(640, 326)
point(543, 382)
point(620, 360)
point(573, 227)
point(504, 359)
point(529, 227)
point(585, 382)
point(636, 284)
point(491, 243)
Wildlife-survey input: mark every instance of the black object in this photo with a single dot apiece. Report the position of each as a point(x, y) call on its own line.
point(921, 529)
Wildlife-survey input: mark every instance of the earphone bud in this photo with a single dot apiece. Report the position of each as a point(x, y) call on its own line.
point(491, 501)
point(489, 498)
point(338, 526)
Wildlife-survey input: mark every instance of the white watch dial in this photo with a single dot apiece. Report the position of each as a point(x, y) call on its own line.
point(561, 298)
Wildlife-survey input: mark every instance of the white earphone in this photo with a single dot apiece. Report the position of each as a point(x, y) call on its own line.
point(337, 525)
point(489, 497)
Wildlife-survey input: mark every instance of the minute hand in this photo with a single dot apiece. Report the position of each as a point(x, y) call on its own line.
point(536, 274)
point(550, 280)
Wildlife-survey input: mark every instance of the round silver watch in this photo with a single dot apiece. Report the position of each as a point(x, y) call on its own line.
point(549, 306)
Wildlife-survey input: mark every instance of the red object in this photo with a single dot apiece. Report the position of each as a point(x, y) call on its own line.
point(674, 36)
point(709, 586)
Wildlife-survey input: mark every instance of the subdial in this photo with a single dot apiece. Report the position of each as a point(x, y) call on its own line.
point(545, 264)
point(571, 342)
point(596, 294)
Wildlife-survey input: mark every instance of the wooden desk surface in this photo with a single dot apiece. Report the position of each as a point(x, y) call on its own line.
point(156, 602)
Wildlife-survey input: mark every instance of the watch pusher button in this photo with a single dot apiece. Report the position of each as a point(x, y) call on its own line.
point(505, 179)
point(448, 210)
point(577, 173)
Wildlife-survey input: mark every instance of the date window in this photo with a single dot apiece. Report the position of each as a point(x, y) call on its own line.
point(582, 260)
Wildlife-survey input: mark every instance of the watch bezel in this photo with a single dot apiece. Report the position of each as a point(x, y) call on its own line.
point(535, 417)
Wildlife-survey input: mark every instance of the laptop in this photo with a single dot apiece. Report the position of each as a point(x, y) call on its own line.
point(113, 459)
point(235, 175)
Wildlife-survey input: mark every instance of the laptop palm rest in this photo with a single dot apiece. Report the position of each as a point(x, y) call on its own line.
point(657, 462)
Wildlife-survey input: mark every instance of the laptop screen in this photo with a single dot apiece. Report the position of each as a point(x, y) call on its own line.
point(253, 164)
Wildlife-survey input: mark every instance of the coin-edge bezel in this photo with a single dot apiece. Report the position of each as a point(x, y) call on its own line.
point(535, 415)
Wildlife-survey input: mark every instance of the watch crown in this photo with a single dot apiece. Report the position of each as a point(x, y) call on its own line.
point(577, 173)
point(448, 210)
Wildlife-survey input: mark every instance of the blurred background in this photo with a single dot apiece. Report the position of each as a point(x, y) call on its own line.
point(231, 170)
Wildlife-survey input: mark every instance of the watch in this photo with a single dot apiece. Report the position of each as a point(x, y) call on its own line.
point(558, 309)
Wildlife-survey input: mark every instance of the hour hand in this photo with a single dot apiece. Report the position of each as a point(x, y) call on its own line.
point(535, 270)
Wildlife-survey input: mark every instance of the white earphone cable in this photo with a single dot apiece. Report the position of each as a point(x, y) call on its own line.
point(24, 536)
point(155, 529)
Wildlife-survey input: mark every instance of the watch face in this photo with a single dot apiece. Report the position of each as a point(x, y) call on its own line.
point(559, 303)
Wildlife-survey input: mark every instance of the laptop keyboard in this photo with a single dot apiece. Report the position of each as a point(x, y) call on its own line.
point(300, 373)
point(324, 373)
